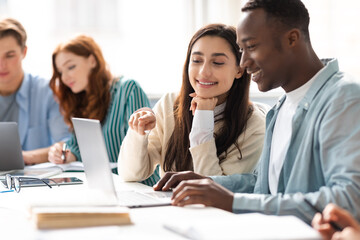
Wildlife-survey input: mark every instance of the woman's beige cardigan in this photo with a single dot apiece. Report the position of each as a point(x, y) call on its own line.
point(140, 154)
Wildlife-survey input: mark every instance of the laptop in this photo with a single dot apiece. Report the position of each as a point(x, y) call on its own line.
point(98, 174)
point(11, 160)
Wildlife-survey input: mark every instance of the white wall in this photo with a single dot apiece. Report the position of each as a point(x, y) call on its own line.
point(147, 39)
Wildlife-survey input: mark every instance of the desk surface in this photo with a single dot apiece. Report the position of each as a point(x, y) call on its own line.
point(148, 223)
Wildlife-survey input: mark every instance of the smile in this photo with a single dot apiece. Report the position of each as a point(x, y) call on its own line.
point(71, 84)
point(255, 75)
point(207, 83)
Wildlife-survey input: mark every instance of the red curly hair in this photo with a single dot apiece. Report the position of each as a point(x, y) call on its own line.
point(93, 103)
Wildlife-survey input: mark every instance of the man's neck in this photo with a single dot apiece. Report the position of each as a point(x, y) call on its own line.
point(304, 70)
point(9, 89)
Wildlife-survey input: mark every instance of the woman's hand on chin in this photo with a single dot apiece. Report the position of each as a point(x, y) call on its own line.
point(201, 103)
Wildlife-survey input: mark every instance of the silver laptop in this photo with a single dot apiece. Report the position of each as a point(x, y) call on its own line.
point(97, 168)
point(11, 160)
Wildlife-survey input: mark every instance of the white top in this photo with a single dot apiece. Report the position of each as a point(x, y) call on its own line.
point(202, 129)
point(282, 133)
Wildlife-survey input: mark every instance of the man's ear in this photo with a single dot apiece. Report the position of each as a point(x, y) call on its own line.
point(24, 51)
point(240, 72)
point(293, 37)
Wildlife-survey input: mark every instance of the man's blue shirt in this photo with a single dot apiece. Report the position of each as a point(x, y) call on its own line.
point(40, 122)
point(323, 159)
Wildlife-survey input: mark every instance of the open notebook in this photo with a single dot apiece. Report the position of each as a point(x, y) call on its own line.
point(11, 160)
point(98, 173)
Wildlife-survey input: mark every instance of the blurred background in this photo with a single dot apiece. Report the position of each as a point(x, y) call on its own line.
point(146, 40)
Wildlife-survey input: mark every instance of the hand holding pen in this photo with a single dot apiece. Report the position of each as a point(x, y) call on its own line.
point(59, 154)
point(63, 153)
point(333, 221)
point(340, 216)
point(333, 224)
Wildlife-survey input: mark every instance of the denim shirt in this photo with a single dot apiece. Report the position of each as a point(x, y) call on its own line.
point(40, 122)
point(323, 159)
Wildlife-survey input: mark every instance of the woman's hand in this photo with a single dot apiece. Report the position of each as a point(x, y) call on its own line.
point(142, 120)
point(55, 154)
point(202, 103)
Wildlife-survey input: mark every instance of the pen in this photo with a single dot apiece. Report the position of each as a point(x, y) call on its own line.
point(6, 191)
point(63, 153)
point(313, 207)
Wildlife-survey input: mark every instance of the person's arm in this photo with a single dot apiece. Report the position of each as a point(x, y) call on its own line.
point(235, 183)
point(35, 156)
point(338, 138)
point(206, 162)
point(137, 160)
point(133, 162)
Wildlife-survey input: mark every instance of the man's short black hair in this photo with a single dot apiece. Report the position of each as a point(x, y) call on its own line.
point(290, 13)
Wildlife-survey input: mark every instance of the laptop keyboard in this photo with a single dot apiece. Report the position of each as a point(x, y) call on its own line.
point(129, 198)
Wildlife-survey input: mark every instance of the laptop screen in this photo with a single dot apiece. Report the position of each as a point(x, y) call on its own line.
point(94, 154)
point(10, 147)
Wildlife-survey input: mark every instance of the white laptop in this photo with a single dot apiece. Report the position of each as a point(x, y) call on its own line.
point(98, 174)
point(11, 160)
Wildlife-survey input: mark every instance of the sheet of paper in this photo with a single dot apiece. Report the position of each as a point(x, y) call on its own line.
point(244, 226)
point(78, 166)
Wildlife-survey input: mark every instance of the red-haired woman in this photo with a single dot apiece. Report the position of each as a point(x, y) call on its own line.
point(85, 88)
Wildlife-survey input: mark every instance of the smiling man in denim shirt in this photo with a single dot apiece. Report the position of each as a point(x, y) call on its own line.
point(27, 99)
point(312, 139)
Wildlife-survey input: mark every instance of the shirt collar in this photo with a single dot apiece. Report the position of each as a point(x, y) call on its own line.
point(331, 66)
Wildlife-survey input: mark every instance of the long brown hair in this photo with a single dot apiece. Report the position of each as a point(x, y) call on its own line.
point(237, 110)
point(93, 103)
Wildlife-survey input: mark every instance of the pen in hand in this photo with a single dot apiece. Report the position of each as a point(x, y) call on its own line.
point(63, 156)
point(333, 224)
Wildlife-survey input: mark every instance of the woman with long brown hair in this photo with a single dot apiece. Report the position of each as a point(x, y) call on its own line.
point(210, 127)
point(85, 88)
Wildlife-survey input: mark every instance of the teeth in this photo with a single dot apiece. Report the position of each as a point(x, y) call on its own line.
point(206, 83)
point(255, 73)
